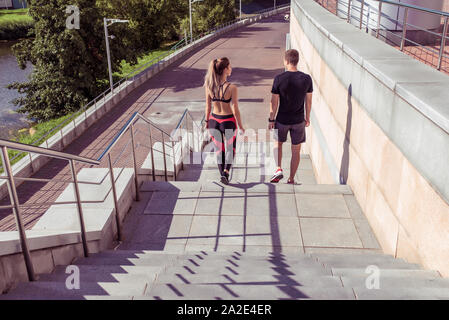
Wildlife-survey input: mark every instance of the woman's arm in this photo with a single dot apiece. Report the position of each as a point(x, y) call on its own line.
point(235, 107)
point(208, 106)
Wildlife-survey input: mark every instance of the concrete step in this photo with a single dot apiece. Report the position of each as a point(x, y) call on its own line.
point(245, 292)
point(257, 270)
point(386, 282)
point(390, 273)
point(86, 277)
point(381, 265)
point(365, 261)
point(124, 261)
point(399, 293)
point(202, 255)
point(57, 290)
point(303, 279)
point(147, 271)
point(249, 264)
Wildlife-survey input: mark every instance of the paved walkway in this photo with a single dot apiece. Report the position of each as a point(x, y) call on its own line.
point(255, 52)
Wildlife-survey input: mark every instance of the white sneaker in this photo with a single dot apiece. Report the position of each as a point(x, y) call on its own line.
point(278, 175)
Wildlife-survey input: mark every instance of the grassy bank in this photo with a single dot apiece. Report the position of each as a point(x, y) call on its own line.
point(128, 69)
point(15, 24)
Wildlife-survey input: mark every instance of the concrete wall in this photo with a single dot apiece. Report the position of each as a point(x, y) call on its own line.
point(380, 123)
point(446, 6)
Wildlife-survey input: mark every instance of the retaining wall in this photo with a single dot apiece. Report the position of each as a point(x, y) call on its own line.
point(380, 123)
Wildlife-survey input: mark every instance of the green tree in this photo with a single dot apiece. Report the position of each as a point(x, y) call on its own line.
point(70, 65)
point(208, 14)
point(67, 62)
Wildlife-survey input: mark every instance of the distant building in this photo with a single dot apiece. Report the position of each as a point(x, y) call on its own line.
point(13, 4)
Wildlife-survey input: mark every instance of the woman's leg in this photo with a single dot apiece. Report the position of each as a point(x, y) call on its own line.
point(231, 142)
point(217, 138)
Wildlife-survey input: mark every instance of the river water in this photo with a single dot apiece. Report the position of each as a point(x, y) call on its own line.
point(10, 72)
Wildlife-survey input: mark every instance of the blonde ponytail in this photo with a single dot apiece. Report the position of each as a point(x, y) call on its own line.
point(214, 73)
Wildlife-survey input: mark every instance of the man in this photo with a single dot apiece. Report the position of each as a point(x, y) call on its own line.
point(291, 90)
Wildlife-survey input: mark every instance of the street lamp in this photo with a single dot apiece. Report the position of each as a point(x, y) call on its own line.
point(107, 36)
point(240, 9)
point(190, 13)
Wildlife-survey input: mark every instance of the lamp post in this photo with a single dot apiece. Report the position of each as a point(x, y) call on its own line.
point(190, 13)
point(107, 36)
point(240, 9)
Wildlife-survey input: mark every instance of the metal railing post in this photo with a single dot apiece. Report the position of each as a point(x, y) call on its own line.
point(379, 16)
point(79, 207)
point(153, 173)
point(16, 210)
point(349, 11)
point(114, 195)
point(443, 43)
point(182, 153)
point(362, 5)
point(187, 131)
point(404, 29)
point(165, 159)
point(175, 176)
point(136, 181)
point(31, 162)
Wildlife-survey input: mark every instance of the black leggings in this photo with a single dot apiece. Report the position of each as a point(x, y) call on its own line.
point(223, 128)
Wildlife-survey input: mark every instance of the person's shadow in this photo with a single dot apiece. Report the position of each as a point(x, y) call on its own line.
point(344, 166)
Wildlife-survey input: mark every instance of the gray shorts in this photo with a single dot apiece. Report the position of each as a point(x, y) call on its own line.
point(297, 132)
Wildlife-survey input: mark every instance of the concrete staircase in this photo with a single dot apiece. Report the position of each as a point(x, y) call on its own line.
point(128, 274)
point(199, 239)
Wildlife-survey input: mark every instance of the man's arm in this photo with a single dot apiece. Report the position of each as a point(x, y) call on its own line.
point(308, 108)
point(273, 109)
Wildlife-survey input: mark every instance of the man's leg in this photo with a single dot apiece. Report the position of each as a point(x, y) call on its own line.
point(294, 163)
point(280, 136)
point(277, 152)
point(298, 135)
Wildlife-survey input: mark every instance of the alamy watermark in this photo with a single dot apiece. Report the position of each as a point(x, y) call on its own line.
point(73, 280)
point(73, 20)
point(373, 280)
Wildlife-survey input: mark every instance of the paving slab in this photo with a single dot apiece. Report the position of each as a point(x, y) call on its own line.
point(322, 205)
point(260, 204)
point(225, 230)
point(249, 187)
point(277, 231)
point(329, 232)
point(172, 203)
point(159, 229)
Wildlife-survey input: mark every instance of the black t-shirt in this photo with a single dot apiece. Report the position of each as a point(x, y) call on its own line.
point(292, 88)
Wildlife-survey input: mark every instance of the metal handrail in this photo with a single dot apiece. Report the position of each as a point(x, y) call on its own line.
point(5, 144)
point(403, 24)
point(400, 4)
point(122, 131)
point(46, 152)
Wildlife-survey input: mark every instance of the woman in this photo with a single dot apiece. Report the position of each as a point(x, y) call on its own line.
point(222, 122)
